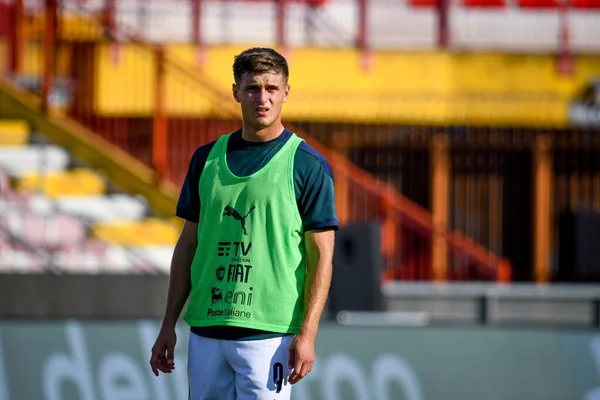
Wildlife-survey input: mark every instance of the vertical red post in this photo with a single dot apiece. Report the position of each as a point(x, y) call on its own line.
point(281, 36)
point(504, 272)
point(440, 194)
point(362, 24)
point(309, 23)
point(565, 61)
point(443, 29)
point(159, 126)
point(197, 30)
point(48, 52)
point(110, 25)
point(542, 212)
point(363, 34)
point(16, 38)
point(109, 17)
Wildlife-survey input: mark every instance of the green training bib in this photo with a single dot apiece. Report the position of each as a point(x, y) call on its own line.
point(250, 264)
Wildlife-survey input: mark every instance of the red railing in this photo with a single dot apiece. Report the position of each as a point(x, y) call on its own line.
point(366, 24)
point(416, 244)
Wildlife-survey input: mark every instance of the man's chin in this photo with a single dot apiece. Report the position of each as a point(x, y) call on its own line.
point(262, 122)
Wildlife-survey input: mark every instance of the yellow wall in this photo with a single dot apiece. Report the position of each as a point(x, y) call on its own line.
point(433, 88)
point(73, 26)
point(126, 85)
point(31, 62)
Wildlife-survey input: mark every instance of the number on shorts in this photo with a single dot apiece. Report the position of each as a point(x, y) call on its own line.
point(278, 376)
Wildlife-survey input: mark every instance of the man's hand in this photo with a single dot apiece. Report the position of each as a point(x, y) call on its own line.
point(302, 357)
point(162, 351)
point(179, 290)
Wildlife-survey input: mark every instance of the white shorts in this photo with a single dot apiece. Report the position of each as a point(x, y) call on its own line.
point(239, 370)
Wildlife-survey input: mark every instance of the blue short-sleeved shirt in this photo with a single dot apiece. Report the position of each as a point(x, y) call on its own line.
point(313, 183)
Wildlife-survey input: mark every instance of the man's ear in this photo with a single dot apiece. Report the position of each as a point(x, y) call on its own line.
point(235, 92)
point(286, 92)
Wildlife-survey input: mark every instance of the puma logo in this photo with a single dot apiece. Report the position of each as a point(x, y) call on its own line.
point(232, 212)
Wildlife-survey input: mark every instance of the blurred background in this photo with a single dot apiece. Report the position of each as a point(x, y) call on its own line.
point(464, 137)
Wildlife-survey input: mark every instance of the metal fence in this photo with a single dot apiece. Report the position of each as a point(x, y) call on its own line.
point(519, 25)
point(456, 202)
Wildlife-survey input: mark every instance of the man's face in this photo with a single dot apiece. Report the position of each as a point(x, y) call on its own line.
point(261, 96)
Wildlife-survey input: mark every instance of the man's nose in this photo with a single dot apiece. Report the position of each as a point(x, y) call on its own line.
point(263, 96)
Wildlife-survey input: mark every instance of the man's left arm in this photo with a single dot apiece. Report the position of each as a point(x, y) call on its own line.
point(315, 194)
point(319, 244)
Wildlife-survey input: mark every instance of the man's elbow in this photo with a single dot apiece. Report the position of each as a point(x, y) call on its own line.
point(189, 235)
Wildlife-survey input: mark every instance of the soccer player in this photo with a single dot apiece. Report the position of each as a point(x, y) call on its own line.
point(255, 253)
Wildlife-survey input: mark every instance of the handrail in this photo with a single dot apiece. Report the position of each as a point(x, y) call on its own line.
point(405, 207)
point(396, 205)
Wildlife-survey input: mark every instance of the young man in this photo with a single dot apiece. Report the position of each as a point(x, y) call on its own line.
point(256, 249)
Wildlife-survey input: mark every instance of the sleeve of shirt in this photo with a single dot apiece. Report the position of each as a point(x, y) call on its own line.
point(188, 205)
point(314, 186)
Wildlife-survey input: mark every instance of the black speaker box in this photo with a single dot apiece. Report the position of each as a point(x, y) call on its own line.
point(579, 246)
point(357, 268)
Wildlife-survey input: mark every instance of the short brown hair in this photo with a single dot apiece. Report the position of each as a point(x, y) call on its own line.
point(259, 59)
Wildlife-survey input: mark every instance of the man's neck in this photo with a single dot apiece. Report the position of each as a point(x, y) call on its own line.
point(263, 135)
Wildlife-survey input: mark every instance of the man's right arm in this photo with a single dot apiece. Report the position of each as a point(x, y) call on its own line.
point(162, 353)
point(180, 281)
point(188, 208)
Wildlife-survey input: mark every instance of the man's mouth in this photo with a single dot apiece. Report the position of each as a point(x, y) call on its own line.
point(262, 111)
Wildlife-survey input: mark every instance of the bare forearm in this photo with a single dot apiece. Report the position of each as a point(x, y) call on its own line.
point(318, 280)
point(179, 281)
point(315, 293)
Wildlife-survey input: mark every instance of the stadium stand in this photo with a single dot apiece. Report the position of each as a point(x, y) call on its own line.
point(52, 211)
point(145, 78)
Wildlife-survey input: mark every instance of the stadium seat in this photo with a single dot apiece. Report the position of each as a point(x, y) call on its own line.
point(13, 133)
point(96, 256)
point(16, 260)
point(114, 207)
point(83, 262)
point(52, 214)
point(466, 3)
point(483, 3)
point(315, 3)
point(18, 161)
point(138, 260)
point(422, 3)
point(76, 182)
point(585, 4)
point(147, 232)
point(5, 244)
point(54, 231)
point(538, 3)
point(119, 259)
point(9, 198)
point(160, 256)
point(20, 261)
